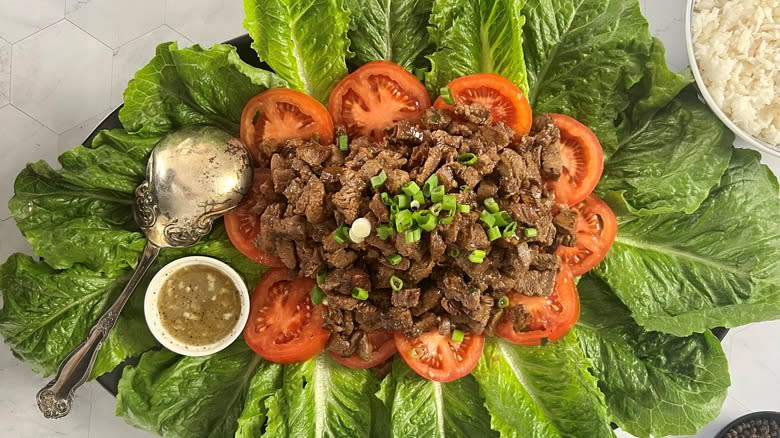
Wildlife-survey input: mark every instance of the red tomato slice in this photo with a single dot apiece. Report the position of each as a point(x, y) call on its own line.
point(243, 224)
point(284, 326)
point(583, 161)
point(596, 231)
point(438, 357)
point(280, 114)
point(375, 96)
point(499, 95)
point(552, 316)
point(383, 347)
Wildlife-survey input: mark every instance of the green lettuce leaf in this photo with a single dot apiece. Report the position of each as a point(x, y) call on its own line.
point(178, 396)
point(420, 407)
point(637, 180)
point(654, 383)
point(46, 312)
point(472, 36)
point(264, 383)
point(541, 391)
point(392, 30)
point(583, 58)
point(321, 398)
point(719, 266)
point(304, 42)
point(191, 86)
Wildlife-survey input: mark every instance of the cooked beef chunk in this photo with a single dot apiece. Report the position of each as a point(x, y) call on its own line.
point(308, 195)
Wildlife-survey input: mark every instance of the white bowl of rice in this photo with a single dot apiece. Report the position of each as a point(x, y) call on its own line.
point(734, 51)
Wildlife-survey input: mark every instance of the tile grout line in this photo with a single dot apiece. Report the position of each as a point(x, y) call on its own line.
point(92, 36)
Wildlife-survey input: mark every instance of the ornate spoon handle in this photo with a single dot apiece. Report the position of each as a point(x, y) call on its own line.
point(55, 399)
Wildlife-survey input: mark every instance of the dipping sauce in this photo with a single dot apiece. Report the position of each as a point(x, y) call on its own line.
point(198, 305)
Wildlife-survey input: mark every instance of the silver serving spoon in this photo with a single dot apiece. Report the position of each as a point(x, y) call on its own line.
point(194, 175)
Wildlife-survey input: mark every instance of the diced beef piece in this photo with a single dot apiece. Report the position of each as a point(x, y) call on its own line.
point(379, 209)
point(408, 297)
point(313, 154)
point(566, 226)
point(520, 318)
point(396, 178)
point(435, 120)
point(430, 298)
point(404, 132)
point(397, 319)
point(474, 113)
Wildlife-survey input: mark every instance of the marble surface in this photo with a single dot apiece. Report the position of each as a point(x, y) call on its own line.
point(63, 67)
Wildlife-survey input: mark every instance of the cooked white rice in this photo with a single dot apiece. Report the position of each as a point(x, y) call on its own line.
point(737, 48)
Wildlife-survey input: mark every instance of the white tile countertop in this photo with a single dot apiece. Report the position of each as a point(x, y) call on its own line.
point(63, 67)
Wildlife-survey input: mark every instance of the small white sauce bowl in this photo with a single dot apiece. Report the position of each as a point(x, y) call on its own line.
point(753, 142)
point(152, 313)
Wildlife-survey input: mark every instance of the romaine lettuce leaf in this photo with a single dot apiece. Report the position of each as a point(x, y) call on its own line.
point(251, 422)
point(636, 179)
point(654, 383)
point(719, 266)
point(472, 36)
point(321, 398)
point(304, 41)
point(420, 407)
point(392, 30)
point(178, 396)
point(191, 86)
point(583, 58)
point(541, 391)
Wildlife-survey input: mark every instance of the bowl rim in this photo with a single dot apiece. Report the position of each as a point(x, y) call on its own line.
point(741, 133)
point(152, 316)
point(748, 417)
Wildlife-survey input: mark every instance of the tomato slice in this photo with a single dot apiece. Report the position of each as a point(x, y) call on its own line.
point(284, 326)
point(505, 101)
point(551, 317)
point(383, 347)
point(243, 224)
point(439, 358)
point(583, 161)
point(596, 231)
point(375, 96)
point(280, 114)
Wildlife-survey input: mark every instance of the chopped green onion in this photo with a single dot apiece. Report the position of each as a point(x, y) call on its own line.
point(410, 188)
point(378, 180)
point(403, 220)
point(493, 233)
point(317, 295)
point(426, 220)
point(321, 274)
point(430, 183)
point(419, 197)
point(464, 208)
point(414, 205)
point(486, 218)
point(491, 205)
point(509, 230)
point(383, 231)
point(446, 95)
point(449, 203)
point(464, 187)
point(457, 336)
point(436, 209)
point(477, 256)
point(402, 201)
point(437, 193)
point(454, 253)
point(386, 199)
point(467, 159)
point(396, 283)
point(394, 259)
point(343, 146)
point(530, 232)
point(359, 293)
point(341, 235)
point(502, 218)
point(446, 221)
point(412, 236)
point(503, 302)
